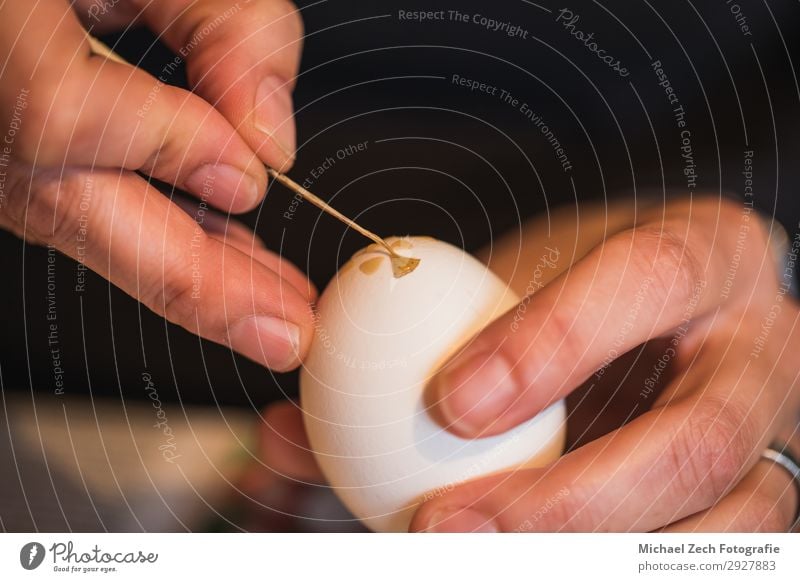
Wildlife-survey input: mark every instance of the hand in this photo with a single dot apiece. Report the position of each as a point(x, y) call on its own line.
point(680, 455)
point(701, 276)
point(81, 126)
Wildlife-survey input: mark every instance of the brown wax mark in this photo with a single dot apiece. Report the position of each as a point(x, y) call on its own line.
point(369, 266)
point(401, 266)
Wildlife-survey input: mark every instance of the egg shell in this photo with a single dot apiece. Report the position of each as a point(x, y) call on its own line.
point(378, 341)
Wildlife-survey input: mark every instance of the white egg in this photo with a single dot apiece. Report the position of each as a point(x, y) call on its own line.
point(379, 339)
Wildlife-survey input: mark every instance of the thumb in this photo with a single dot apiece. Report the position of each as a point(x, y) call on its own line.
point(640, 284)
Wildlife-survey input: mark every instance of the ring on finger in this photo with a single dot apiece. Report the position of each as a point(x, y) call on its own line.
point(782, 456)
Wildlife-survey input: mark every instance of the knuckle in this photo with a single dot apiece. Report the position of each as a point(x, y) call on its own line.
point(50, 121)
point(668, 259)
point(175, 296)
point(215, 38)
point(159, 153)
point(558, 337)
point(711, 449)
point(48, 211)
point(30, 145)
point(561, 337)
point(14, 201)
point(279, 19)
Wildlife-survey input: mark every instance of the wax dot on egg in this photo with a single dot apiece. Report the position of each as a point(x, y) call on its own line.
point(369, 266)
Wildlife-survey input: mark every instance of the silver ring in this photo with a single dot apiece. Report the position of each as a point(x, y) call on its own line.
point(780, 455)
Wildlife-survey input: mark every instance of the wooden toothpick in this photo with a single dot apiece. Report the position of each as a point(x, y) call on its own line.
point(400, 265)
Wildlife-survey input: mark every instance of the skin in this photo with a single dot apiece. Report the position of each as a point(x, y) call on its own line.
point(676, 465)
point(685, 457)
point(689, 461)
point(92, 125)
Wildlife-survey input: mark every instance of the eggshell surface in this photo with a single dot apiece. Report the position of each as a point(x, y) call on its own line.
point(378, 341)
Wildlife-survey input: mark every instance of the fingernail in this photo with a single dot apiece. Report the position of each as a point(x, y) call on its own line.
point(270, 341)
point(274, 114)
point(460, 519)
point(475, 391)
point(224, 184)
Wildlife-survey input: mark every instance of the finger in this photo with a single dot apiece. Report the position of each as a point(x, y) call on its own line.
point(221, 226)
point(104, 16)
point(231, 232)
point(765, 500)
point(640, 284)
point(287, 271)
point(284, 444)
point(87, 110)
point(243, 59)
point(241, 238)
point(667, 464)
point(125, 230)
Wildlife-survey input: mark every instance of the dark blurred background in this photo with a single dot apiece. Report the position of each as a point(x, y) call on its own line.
point(444, 161)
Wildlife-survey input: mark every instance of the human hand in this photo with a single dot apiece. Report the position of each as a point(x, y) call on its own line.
point(681, 282)
point(679, 456)
point(81, 126)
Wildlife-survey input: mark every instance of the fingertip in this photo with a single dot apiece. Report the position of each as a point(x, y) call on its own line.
point(273, 323)
point(284, 443)
point(421, 519)
point(472, 393)
point(440, 517)
point(428, 514)
point(278, 341)
point(270, 341)
point(227, 187)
